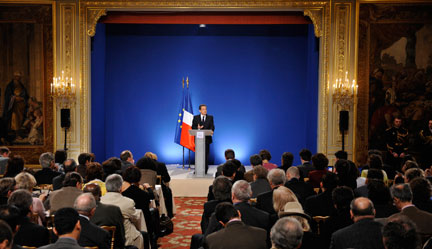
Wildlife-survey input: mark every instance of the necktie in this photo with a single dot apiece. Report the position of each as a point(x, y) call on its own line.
point(203, 119)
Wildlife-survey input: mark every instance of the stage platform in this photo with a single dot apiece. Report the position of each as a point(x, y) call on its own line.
point(185, 184)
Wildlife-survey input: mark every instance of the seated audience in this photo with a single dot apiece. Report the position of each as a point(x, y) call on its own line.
point(127, 160)
point(402, 199)
point(83, 160)
point(4, 157)
point(287, 233)
point(421, 189)
point(255, 160)
point(266, 157)
point(372, 174)
point(68, 166)
point(260, 184)
point(375, 162)
point(15, 165)
point(229, 155)
point(107, 215)
point(60, 157)
point(29, 234)
point(413, 173)
point(127, 206)
point(342, 197)
point(364, 233)
point(235, 234)
point(26, 181)
point(91, 235)
point(6, 236)
point(320, 162)
point(306, 166)
point(347, 173)
point(340, 154)
point(68, 229)
point(282, 196)
point(11, 215)
point(400, 233)
point(94, 174)
point(7, 186)
point(380, 196)
point(276, 178)
point(286, 160)
point(46, 174)
point(146, 163)
point(229, 171)
point(322, 204)
point(302, 189)
point(111, 166)
point(65, 197)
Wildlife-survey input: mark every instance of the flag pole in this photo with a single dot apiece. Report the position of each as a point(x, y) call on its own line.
point(183, 158)
point(183, 146)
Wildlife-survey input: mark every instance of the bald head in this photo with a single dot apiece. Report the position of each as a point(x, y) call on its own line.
point(362, 207)
point(293, 172)
point(85, 204)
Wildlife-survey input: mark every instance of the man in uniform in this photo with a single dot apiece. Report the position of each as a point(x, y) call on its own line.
point(397, 143)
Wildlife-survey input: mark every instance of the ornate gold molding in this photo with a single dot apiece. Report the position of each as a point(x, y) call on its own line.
point(316, 15)
point(93, 16)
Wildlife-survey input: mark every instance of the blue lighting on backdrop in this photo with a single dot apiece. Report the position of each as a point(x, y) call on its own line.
point(259, 81)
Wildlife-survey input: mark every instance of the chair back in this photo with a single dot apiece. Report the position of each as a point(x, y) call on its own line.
point(111, 230)
point(148, 176)
point(319, 221)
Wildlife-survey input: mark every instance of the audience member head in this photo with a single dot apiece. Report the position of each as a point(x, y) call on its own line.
point(114, 183)
point(400, 233)
point(85, 204)
point(375, 162)
point(409, 164)
point(146, 163)
point(259, 172)
point(7, 186)
point(295, 210)
point(111, 166)
point(6, 236)
point(378, 192)
point(376, 174)
point(421, 189)
point(60, 156)
point(329, 181)
point(4, 151)
point(281, 196)
point(361, 208)
point(376, 152)
point(12, 216)
point(237, 163)
point(409, 157)
point(132, 175)
point(126, 155)
point(292, 172)
point(340, 154)
point(265, 155)
point(286, 233)
point(402, 195)
point(73, 179)
point(287, 159)
point(94, 189)
point(94, 171)
point(150, 155)
point(23, 200)
point(255, 160)
point(66, 223)
point(229, 154)
point(276, 177)
point(320, 161)
point(25, 181)
point(342, 197)
point(222, 188)
point(69, 165)
point(225, 212)
point(347, 173)
point(84, 158)
point(305, 155)
point(15, 165)
point(412, 173)
point(241, 191)
point(229, 169)
point(46, 160)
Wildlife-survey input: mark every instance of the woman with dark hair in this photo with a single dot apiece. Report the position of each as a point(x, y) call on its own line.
point(347, 173)
point(375, 162)
point(94, 174)
point(132, 189)
point(14, 166)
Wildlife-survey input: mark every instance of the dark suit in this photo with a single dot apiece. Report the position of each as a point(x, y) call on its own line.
point(45, 176)
point(92, 235)
point(63, 243)
point(30, 234)
point(236, 235)
point(81, 169)
point(320, 205)
point(338, 220)
point(208, 125)
point(109, 215)
point(422, 219)
point(305, 169)
point(58, 181)
point(265, 202)
point(361, 191)
point(142, 201)
point(364, 234)
point(209, 208)
point(260, 186)
point(252, 216)
point(301, 189)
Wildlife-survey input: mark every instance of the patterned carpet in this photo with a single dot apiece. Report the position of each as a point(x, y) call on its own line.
point(186, 222)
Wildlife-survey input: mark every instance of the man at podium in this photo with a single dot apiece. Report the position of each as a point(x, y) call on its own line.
point(204, 122)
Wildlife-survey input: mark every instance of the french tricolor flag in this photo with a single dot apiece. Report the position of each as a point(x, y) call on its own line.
point(184, 122)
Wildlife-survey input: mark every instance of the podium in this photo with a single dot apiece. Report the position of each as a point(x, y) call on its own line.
point(200, 150)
